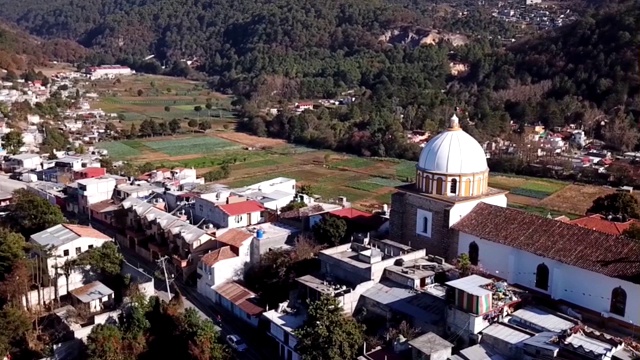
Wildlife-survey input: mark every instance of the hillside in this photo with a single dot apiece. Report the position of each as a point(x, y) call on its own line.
point(20, 51)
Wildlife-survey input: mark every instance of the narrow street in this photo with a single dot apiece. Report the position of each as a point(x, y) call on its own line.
point(207, 310)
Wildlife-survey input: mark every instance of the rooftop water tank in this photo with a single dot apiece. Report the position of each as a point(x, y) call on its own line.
point(259, 234)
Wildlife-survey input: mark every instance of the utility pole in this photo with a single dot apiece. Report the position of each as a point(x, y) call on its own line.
point(166, 278)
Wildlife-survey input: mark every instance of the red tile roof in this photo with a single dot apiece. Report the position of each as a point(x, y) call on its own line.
point(215, 256)
point(86, 231)
point(610, 255)
point(241, 297)
point(600, 223)
point(234, 237)
point(351, 213)
point(240, 208)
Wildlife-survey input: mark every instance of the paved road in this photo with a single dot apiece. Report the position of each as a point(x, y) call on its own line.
point(204, 307)
point(9, 185)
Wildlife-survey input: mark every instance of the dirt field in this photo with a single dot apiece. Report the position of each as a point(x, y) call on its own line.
point(250, 140)
point(574, 199)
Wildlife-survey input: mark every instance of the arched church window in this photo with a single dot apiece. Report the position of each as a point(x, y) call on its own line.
point(542, 277)
point(618, 301)
point(440, 186)
point(474, 253)
point(454, 187)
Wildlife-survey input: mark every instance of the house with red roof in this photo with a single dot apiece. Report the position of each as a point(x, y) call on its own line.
point(239, 214)
point(360, 221)
point(600, 223)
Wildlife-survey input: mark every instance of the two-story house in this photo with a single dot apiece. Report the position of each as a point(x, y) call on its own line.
point(23, 161)
point(61, 243)
point(224, 263)
point(91, 191)
point(240, 214)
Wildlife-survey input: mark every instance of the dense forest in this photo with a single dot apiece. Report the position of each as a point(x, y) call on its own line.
point(19, 51)
point(278, 51)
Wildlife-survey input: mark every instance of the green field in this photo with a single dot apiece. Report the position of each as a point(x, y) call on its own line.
point(118, 150)
point(366, 186)
point(406, 170)
point(196, 145)
point(354, 163)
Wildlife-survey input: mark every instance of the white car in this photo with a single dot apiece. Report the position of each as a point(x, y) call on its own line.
point(236, 343)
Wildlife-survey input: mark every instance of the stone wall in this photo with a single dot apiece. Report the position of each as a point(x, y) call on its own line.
point(403, 224)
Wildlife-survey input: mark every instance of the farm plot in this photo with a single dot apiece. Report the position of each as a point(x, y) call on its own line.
point(574, 199)
point(365, 185)
point(527, 187)
point(354, 163)
point(188, 146)
point(118, 150)
point(385, 182)
point(406, 170)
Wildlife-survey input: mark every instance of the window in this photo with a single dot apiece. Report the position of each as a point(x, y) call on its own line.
point(65, 253)
point(424, 220)
point(78, 250)
point(453, 189)
point(474, 253)
point(542, 277)
point(238, 218)
point(618, 301)
point(90, 247)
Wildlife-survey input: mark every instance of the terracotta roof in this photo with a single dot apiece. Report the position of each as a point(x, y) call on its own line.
point(610, 255)
point(234, 237)
point(240, 296)
point(241, 208)
point(351, 213)
point(103, 205)
point(215, 256)
point(600, 223)
point(86, 231)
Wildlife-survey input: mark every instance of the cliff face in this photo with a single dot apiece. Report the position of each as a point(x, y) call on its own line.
point(418, 36)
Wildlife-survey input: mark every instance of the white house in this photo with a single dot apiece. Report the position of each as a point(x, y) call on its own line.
point(91, 191)
point(94, 296)
point(594, 270)
point(24, 161)
point(34, 119)
point(107, 71)
point(225, 263)
point(282, 324)
point(65, 242)
point(272, 194)
point(239, 214)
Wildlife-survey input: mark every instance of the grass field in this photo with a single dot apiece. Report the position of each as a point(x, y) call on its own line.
point(189, 146)
point(181, 96)
point(118, 150)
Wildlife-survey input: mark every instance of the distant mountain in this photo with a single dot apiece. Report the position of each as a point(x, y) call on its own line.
point(20, 51)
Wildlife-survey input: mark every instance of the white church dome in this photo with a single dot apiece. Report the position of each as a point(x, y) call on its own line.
point(453, 152)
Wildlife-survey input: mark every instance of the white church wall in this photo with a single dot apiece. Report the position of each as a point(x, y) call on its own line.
point(569, 283)
point(459, 210)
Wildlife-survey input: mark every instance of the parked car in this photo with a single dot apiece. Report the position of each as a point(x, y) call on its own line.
point(236, 343)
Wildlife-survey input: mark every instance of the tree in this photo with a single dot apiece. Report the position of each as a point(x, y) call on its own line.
point(204, 125)
point(167, 109)
point(12, 141)
point(133, 131)
point(193, 123)
point(140, 92)
point(197, 109)
point(330, 230)
point(14, 324)
point(30, 214)
point(620, 133)
point(111, 128)
point(632, 232)
point(618, 204)
point(12, 246)
point(463, 263)
point(104, 343)
point(105, 260)
point(327, 334)
point(174, 126)
point(106, 163)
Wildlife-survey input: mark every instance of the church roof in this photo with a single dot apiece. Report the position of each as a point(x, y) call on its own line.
point(453, 152)
point(610, 255)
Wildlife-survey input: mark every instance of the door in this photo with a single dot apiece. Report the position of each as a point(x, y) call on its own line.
point(249, 222)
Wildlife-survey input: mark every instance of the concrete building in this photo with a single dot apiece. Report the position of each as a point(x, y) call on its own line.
point(107, 71)
point(430, 347)
point(240, 214)
point(65, 242)
point(283, 322)
point(23, 161)
point(92, 191)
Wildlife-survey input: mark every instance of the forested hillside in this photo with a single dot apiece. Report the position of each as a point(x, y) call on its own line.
point(274, 51)
point(19, 51)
